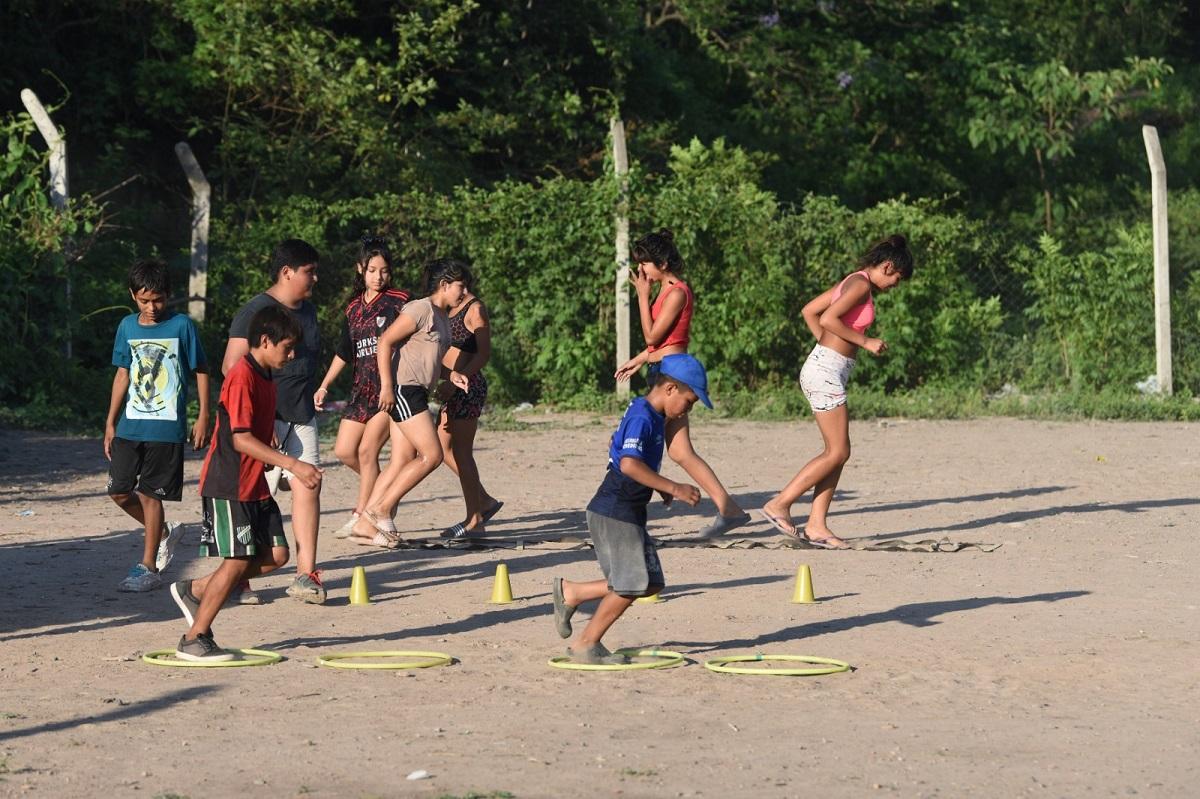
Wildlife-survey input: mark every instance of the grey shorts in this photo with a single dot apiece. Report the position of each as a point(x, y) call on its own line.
point(627, 556)
point(298, 440)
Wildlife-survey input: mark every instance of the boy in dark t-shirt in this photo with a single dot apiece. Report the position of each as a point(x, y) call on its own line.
point(616, 516)
point(242, 523)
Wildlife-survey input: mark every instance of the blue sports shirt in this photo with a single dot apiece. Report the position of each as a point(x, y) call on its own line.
point(640, 435)
point(161, 359)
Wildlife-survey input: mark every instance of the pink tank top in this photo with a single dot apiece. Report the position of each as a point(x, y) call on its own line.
point(677, 336)
point(860, 317)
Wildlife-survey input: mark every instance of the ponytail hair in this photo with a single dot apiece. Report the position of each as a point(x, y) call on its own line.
point(445, 270)
point(369, 247)
point(659, 249)
point(895, 249)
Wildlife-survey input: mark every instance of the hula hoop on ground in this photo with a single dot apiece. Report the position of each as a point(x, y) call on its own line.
point(250, 657)
point(666, 660)
point(828, 665)
point(425, 660)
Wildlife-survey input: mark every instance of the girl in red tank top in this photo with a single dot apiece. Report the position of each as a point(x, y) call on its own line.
point(666, 325)
point(838, 319)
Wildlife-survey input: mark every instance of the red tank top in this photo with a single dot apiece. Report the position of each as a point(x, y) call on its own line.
point(677, 336)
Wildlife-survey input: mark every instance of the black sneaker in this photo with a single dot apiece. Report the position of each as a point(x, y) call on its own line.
point(201, 649)
point(181, 592)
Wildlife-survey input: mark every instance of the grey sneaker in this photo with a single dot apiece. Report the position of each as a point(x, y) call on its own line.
point(168, 545)
point(202, 649)
point(562, 611)
point(308, 588)
point(243, 594)
point(140, 579)
point(597, 655)
point(181, 592)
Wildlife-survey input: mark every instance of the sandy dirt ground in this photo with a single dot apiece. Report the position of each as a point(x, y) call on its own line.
point(1063, 664)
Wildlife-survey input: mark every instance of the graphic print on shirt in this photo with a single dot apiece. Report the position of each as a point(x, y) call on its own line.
point(154, 379)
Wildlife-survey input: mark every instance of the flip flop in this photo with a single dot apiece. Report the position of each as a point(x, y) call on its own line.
point(723, 524)
point(492, 511)
point(779, 524)
point(822, 543)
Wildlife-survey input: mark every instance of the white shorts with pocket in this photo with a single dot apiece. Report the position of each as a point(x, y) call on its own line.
point(299, 440)
point(823, 378)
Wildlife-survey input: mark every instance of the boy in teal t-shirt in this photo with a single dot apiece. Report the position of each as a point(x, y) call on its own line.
point(156, 352)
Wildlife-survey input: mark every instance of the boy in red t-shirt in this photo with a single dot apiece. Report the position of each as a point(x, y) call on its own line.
point(242, 523)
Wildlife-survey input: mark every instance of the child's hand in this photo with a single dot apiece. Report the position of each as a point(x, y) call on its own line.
point(110, 433)
point(200, 433)
point(666, 498)
point(306, 473)
point(445, 391)
point(641, 283)
point(460, 380)
point(875, 346)
point(319, 398)
point(628, 369)
point(387, 395)
point(686, 493)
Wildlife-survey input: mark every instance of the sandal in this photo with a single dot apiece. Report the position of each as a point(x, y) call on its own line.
point(779, 524)
point(459, 531)
point(381, 539)
point(823, 543)
point(492, 511)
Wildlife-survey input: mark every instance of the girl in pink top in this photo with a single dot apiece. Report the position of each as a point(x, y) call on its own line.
point(666, 324)
point(838, 319)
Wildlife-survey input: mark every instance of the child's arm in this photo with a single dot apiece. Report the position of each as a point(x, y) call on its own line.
point(245, 443)
point(667, 315)
point(335, 368)
point(477, 323)
point(403, 327)
point(636, 469)
point(235, 350)
point(813, 310)
point(200, 428)
point(116, 401)
point(641, 284)
point(856, 291)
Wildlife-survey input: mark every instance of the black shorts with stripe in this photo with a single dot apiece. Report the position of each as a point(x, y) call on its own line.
point(233, 529)
point(410, 400)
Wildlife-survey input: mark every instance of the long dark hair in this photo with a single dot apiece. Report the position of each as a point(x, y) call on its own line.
point(659, 249)
point(895, 249)
point(444, 270)
point(368, 248)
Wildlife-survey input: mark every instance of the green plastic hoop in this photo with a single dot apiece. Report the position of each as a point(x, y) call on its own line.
point(828, 665)
point(426, 660)
point(666, 660)
point(251, 657)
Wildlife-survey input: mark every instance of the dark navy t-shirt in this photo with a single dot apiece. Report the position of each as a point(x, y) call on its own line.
point(640, 435)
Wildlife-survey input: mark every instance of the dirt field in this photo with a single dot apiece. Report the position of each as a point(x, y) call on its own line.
point(1063, 664)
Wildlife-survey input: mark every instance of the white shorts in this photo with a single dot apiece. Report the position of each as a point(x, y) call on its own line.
point(299, 440)
point(823, 378)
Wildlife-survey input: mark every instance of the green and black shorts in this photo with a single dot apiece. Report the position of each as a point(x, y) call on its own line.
point(233, 529)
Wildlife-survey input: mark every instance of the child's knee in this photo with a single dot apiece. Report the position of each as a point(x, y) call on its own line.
point(432, 459)
point(121, 499)
point(348, 455)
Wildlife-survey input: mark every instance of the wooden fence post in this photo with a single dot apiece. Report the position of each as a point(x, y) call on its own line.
point(621, 163)
point(198, 280)
point(59, 194)
point(1162, 276)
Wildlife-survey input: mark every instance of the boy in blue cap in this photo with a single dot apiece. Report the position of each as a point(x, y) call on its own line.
point(616, 516)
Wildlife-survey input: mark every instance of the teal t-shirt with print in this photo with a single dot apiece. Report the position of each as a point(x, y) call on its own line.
point(161, 359)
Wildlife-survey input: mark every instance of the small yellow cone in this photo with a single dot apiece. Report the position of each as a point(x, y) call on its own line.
point(358, 587)
point(501, 587)
point(803, 594)
point(648, 599)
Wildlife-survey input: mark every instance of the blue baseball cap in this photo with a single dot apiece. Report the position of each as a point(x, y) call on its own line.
point(689, 371)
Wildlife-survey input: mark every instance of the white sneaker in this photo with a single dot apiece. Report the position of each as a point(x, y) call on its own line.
point(140, 579)
point(168, 544)
point(345, 530)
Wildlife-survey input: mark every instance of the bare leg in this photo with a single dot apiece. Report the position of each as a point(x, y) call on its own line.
point(254, 568)
point(835, 432)
point(679, 447)
point(458, 445)
point(148, 512)
point(816, 528)
point(370, 443)
point(402, 452)
point(345, 448)
point(420, 433)
point(607, 612)
point(218, 586)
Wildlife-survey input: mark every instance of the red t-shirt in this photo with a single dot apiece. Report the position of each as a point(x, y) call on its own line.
point(247, 404)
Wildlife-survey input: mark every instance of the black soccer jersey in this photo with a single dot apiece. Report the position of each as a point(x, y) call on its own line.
point(360, 333)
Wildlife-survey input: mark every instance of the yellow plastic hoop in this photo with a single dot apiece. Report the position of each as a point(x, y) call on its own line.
point(829, 665)
point(666, 661)
point(428, 660)
point(257, 657)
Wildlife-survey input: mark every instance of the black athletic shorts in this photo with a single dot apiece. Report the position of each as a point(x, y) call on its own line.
point(155, 468)
point(410, 400)
point(233, 529)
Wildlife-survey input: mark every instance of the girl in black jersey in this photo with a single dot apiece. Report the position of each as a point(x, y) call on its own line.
point(364, 428)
